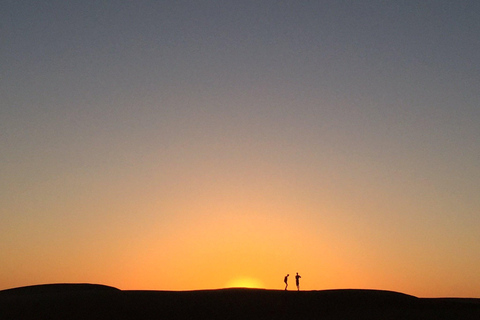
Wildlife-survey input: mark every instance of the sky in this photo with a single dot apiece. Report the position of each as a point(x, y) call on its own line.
point(184, 145)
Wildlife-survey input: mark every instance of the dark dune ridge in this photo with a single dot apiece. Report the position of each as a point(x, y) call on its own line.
point(57, 288)
point(88, 301)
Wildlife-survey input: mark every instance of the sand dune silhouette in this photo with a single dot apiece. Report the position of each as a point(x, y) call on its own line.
point(88, 301)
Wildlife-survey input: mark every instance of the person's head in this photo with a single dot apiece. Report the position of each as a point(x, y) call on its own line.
point(297, 273)
point(287, 274)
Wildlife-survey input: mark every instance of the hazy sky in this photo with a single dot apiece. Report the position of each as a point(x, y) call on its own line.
point(174, 145)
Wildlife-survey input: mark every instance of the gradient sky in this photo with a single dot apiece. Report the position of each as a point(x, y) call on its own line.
point(178, 145)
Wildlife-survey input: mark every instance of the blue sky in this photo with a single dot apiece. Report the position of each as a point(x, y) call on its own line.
point(355, 122)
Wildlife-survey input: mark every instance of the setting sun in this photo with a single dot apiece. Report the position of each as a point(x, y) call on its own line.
point(244, 282)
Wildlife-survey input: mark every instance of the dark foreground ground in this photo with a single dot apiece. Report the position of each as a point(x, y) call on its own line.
point(85, 301)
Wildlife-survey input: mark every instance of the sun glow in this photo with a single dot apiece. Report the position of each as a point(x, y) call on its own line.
point(244, 282)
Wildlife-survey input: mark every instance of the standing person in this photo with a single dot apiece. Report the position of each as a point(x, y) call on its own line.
point(297, 281)
point(286, 281)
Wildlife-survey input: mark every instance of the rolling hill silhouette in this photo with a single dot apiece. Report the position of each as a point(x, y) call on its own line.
point(88, 301)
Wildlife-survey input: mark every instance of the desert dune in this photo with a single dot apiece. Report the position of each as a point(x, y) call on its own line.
point(89, 301)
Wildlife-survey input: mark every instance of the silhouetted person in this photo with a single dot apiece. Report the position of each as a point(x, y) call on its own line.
point(286, 281)
point(297, 281)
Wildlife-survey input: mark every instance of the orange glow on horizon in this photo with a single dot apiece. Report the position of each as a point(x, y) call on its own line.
point(244, 282)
